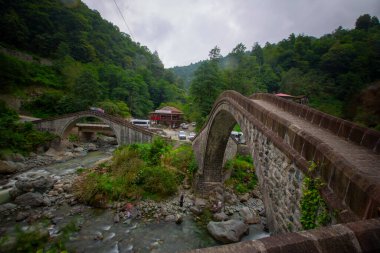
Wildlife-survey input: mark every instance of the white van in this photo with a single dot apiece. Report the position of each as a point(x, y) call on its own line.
point(238, 136)
point(141, 122)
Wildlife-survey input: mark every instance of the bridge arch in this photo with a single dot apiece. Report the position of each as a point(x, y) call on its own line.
point(126, 132)
point(281, 151)
point(70, 124)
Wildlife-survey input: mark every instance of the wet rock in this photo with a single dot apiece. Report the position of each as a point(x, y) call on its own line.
point(230, 198)
point(78, 149)
point(178, 219)
point(9, 167)
point(55, 220)
point(91, 147)
point(38, 184)
point(116, 218)
point(33, 199)
point(200, 202)
point(22, 216)
point(53, 193)
point(69, 154)
point(7, 208)
point(196, 210)
point(220, 216)
point(244, 198)
point(170, 218)
point(227, 231)
point(98, 236)
point(76, 210)
point(248, 216)
point(15, 192)
point(52, 152)
point(256, 194)
point(265, 225)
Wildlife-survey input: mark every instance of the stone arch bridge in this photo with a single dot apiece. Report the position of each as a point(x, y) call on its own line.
point(125, 132)
point(283, 137)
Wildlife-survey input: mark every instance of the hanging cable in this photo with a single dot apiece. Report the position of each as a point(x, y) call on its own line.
point(125, 21)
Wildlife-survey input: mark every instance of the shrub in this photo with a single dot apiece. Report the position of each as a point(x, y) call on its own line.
point(243, 178)
point(159, 181)
point(133, 173)
point(19, 137)
point(314, 211)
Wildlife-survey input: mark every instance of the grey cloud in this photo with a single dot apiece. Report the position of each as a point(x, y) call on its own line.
point(183, 31)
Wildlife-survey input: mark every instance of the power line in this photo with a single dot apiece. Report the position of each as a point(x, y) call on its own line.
point(125, 21)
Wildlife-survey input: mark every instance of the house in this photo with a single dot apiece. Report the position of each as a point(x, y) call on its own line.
point(298, 99)
point(167, 115)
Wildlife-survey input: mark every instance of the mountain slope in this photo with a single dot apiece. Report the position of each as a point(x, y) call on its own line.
point(87, 53)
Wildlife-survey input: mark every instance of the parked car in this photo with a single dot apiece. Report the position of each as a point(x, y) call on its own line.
point(97, 109)
point(193, 124)
point(238, 136)
point(184, 126)
point(191, 136)
point(182, 135)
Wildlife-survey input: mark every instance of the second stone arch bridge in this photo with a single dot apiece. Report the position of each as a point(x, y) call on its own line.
point(283, 138)
point(125, 132)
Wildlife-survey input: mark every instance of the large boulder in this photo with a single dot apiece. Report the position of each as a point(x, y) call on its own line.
point(33, 199)
point(37, 184)
point(249, 217)
point(199, 202)
point(228, 231)
point(220, 216)
point(9, 167)
point(91, 147)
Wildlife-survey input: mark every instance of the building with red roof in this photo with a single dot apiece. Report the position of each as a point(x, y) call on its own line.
point(167, 115)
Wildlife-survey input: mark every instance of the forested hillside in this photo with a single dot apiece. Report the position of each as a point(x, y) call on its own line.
point(93, 63)
point(339, 72)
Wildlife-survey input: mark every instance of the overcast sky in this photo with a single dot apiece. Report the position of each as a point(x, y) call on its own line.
point(184, 31)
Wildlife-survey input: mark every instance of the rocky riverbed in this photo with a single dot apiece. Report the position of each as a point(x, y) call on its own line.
point(44, 195)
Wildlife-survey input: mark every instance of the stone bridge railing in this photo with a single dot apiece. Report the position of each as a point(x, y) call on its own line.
point(345, 129)
point(355, 237)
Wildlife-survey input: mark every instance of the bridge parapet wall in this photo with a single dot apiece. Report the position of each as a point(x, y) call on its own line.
point(345, 129)
point(361, 236)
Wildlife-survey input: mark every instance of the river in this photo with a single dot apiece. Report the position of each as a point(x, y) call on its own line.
point(99, 232)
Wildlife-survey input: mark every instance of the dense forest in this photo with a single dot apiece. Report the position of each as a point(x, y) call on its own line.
point(68, 58)
point(339, 72)
point(78, 60)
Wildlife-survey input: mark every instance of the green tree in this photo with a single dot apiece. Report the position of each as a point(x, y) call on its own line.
point(363, 22)
point(215, 53)
point(87, 90)
point(205, 88)
point(257, 51)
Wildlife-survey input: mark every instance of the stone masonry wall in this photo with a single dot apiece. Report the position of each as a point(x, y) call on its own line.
point(281, 184)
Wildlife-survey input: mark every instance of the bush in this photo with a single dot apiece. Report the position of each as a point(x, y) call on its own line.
point(243, 178)
point(19, 137)
point(158, 181)
point(134, 172)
